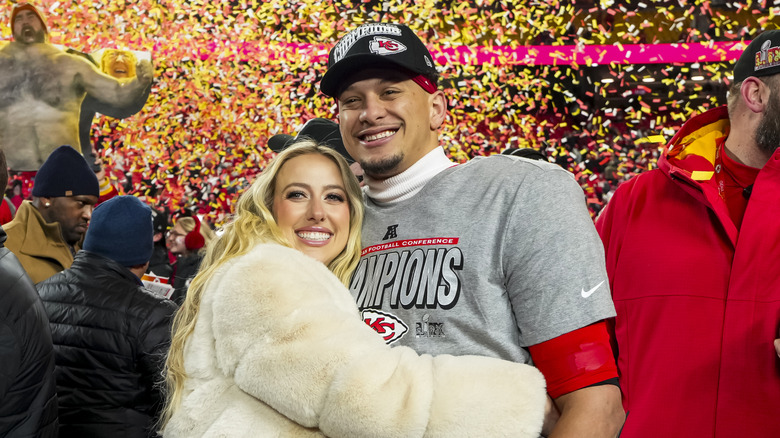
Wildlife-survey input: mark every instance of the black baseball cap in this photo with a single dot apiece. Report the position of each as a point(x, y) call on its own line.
point(323, 131)
point(760, 58)
point(531, 153)
point(376, 44)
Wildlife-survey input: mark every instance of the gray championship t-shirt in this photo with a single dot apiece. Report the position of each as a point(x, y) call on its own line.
point(489, 257)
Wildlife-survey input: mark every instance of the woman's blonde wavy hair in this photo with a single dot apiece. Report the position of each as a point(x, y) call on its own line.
point(254, 222)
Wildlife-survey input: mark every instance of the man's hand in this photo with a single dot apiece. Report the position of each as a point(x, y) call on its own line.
point(777, 344)
point(551, 416)
point(144, 71)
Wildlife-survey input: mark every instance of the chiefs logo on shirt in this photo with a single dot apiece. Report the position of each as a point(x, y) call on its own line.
point(388, 326)
point(385, 46)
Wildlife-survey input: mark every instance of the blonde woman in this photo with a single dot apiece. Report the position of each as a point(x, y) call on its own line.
point(269, 341)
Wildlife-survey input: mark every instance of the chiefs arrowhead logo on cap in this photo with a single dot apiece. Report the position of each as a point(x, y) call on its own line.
point(385, 46)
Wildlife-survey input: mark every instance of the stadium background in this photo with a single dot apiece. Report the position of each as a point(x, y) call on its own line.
point(230, 74)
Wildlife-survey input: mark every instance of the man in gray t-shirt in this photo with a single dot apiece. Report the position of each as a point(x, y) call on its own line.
point(425, 257)
point(496, 257)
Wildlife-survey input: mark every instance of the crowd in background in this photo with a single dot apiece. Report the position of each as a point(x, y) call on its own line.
point(217, 99)
point(597, 168)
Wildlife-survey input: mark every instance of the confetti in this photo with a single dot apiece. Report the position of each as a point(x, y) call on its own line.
point(555, 76)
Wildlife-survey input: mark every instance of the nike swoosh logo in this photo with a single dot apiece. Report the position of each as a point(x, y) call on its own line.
point(590, 292)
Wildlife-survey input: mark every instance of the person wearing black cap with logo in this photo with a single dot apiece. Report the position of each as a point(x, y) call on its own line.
point(110, 333)
point(27, 385)
point(692, 251)
point(527, 284)
point(45, 231)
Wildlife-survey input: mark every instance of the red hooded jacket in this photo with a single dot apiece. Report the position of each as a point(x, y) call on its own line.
point(698, 303)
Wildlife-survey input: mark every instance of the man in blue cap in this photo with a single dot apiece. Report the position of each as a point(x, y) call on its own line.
point(110, 333)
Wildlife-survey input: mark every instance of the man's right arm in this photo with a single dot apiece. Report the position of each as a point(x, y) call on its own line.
point(566, 276)
point(593, 411)
point(91, 105)
point(155, 335)
point(581, 375)
point(108, 90)
point(155, 338)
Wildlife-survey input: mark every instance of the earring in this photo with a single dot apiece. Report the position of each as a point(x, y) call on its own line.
point(48, 204)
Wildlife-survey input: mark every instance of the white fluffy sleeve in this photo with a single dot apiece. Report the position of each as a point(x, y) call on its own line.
point(290, 334)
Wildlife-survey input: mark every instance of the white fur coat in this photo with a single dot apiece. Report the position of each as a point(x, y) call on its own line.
point(279, 350)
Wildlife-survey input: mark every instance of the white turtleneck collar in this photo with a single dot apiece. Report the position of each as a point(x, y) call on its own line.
point(407, 183)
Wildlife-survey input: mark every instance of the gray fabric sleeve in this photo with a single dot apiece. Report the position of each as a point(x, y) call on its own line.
point(553, 259)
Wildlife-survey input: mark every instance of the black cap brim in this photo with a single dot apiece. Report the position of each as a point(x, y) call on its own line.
point(336, 78)
point(280, 141)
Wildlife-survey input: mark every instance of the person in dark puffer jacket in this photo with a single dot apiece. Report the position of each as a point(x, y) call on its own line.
point(110, 334)
point(28, 402)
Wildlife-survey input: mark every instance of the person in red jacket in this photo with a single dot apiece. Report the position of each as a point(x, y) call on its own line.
point(7, 210)
point(692, 250)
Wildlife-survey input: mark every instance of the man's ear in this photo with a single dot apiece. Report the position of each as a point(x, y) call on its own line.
point(43, 205)
point(438, 109)
point(756, 94)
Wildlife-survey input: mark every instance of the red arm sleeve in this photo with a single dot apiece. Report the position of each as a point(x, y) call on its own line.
point(576, 359)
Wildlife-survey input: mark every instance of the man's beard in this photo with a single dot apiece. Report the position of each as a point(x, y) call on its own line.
point(768, 131)
point(29, 35)
point(381, 168)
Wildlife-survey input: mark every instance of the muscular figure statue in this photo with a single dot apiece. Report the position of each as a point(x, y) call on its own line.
point(41, 90)
point(120, 64)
